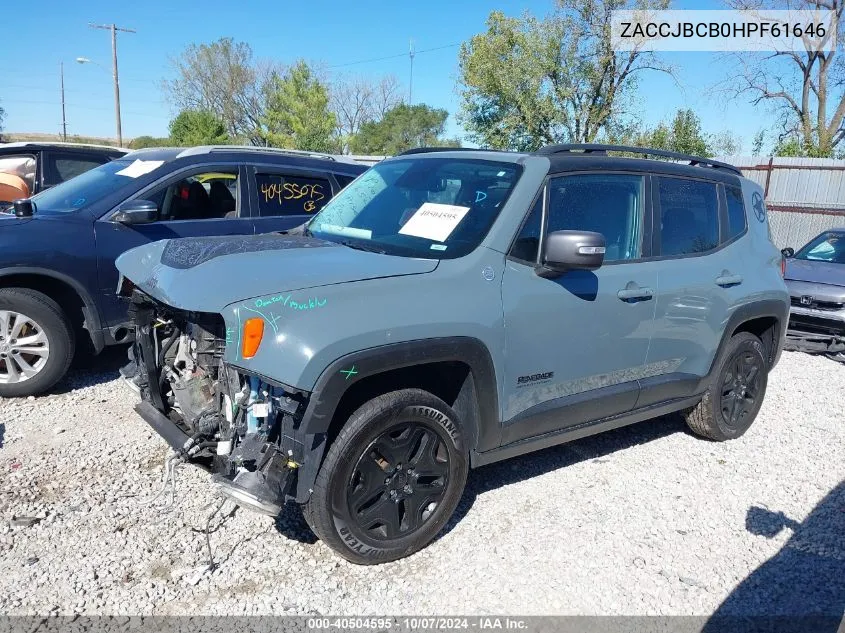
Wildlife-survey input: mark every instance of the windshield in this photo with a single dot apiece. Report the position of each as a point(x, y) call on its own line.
point(424, 207)
point(827, 247)
point(84, 189)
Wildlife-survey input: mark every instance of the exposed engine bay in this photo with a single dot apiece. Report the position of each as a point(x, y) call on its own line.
point(240, 427)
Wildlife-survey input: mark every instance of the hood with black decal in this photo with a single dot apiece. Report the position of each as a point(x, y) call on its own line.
point(205, 274)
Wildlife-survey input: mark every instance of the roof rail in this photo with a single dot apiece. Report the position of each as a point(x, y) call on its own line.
point(64, 144)
point(208, 149)
point(426, 150)
point(598, 148)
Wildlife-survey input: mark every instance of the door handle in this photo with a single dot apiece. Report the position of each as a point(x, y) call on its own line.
point(726, 279)
point(634, 292)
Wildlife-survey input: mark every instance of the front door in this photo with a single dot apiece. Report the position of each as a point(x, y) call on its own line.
point(196, 202)
point(576, 344)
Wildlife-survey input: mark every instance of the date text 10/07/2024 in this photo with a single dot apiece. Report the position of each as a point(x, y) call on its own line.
point(418, 623)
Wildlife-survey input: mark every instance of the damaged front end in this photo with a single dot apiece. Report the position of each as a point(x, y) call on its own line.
point(243, 428)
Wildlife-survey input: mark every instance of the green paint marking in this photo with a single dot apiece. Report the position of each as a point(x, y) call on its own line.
point(349, 372)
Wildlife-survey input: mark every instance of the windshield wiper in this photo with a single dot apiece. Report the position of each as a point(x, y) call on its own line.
point(361, 246)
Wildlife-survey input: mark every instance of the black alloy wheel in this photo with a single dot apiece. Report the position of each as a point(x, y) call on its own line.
point(399, 481)
point(740, 388)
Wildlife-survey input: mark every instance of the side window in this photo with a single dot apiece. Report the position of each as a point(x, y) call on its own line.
point(343, 180)
point(736, 212)
point(527, 242)
point(22, 166)
point(689, 211)
point(610, 204)
point(201, 196)
point(61, 167)
point(291, 195)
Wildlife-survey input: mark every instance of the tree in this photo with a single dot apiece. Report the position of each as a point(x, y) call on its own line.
point(297, 114)
point(197, 127)
point(757, 143)
point(403, 127)
point(357, 100)
point(2, 118)
point(140, 142)
point(685, 135)
point(807, 87)
point(528, 82)
point(222, 78)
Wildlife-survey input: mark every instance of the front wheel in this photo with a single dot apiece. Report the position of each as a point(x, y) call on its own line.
point(391, 479)
point(36, 342)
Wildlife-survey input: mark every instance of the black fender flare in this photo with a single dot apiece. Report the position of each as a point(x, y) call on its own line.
point(92, 314)
point(765, 308)
point(484, 432)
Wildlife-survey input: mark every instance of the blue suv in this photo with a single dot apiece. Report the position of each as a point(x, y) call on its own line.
point(57, 276)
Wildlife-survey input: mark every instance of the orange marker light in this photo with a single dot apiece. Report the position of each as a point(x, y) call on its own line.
point(253, 331)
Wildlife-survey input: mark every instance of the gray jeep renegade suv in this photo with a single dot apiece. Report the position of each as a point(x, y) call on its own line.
point(449, 309)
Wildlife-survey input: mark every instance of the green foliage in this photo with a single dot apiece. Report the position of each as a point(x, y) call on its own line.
point(527, 82)
point(685, 135)
point(197, 127)
point(222, 78)
point(403, 127)
point(757, 143)
point(297, 114)
point(140, 142)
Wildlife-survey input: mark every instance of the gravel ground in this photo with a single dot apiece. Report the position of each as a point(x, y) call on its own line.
point(643, 520)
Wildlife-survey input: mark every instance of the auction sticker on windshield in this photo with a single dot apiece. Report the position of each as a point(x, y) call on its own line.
point(434, 221)
point(139, 168)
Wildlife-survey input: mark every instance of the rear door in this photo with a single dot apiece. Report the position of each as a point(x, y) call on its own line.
point(576, 343)
point(283, 197)
point(197, 201)
point(697, 227)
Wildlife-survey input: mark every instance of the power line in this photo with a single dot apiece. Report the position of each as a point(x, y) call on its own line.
point(397, 56)
point(79, 106)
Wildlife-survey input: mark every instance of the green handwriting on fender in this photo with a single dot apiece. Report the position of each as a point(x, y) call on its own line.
point(285, 301)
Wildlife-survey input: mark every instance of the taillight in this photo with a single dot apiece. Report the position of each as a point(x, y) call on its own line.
point(253, 331)
point(782, 266)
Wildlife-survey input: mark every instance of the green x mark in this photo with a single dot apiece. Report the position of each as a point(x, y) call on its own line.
point(349, 372)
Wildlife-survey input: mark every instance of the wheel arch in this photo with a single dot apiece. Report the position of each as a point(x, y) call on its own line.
point(65, 291)
point(766, 319)
point(459, 370)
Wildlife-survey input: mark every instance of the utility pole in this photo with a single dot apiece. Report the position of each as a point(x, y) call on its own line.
point(411, 83)
point(64, 121)
point(114, 29)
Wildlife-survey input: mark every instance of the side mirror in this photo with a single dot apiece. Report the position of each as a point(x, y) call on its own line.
point(136, 212)
point(23, 208)
point(573, 250)
point(788, 252)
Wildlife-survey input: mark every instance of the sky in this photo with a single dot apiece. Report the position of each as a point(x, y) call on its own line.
point(345, 37)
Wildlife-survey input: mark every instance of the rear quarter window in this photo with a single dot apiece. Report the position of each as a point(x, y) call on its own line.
point(736, 212)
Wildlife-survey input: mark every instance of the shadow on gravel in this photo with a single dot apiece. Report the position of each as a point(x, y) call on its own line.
point(531, 465)
point(291, 524)
point(802, 587)
point(2, 433)
point(88, 370)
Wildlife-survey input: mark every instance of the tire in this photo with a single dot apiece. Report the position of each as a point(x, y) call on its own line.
point(745, 389)
point(411, 504)
point(44, 316)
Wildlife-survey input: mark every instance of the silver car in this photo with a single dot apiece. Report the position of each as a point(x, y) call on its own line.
point(815, 277)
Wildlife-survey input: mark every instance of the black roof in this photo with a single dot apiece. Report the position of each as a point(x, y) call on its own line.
point(594, 156)
point(32, 146)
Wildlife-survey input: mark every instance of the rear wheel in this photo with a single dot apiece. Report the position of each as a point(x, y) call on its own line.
point(391, 479)
point(736, 392)
point(36, 342)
